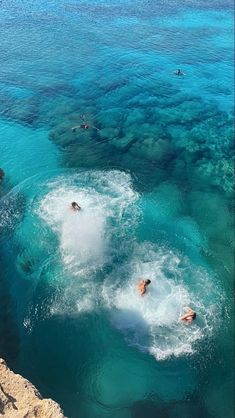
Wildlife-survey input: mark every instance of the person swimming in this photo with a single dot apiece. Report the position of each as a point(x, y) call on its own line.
point(142, 286)
point(179, 72)
point(189, 316)
point(75, 207)
point(84, 125)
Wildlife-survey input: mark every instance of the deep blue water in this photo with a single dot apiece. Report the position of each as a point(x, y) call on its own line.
point(154, 177)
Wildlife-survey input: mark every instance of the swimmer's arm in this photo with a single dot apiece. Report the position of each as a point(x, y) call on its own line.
point(141, 288)
point(75, 127)
point(185, 316)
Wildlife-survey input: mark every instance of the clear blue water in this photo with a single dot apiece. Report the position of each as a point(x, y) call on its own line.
point(155, 182)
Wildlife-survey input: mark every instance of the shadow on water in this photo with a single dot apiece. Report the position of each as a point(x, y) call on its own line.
point(11, 213)
point(9, 338)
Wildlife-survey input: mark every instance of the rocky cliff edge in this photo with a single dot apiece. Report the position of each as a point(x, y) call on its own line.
point(20, 399)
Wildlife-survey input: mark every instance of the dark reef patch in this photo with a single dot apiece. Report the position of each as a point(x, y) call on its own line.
point(152, 122)
point(158, 126)
point(22, 110)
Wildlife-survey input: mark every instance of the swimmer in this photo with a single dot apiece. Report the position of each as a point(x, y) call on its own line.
point(189, 316)
point(2, 174)
point(84, 125)
point(179, 72)
point(142, 286)
point(75, 207)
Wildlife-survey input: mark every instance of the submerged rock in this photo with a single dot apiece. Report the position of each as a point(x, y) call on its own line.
point(22, 109)
point(151, 149)
point(125, 142)
point(140, 125)
point(109, 133)
point(20, 399)
point(218, 173)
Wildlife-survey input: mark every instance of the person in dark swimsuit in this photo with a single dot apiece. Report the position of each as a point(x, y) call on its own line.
point(179, 72)
point(84, 125)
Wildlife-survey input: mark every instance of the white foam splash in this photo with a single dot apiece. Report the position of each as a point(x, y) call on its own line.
point(151, 322)
point(85, 236)
point(104, 228)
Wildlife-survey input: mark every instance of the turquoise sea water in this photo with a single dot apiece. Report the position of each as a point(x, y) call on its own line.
point(155, 182)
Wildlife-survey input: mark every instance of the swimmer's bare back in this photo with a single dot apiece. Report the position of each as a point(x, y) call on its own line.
point(142, 286)
point(189, 316)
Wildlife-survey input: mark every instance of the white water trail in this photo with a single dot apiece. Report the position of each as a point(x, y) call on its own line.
point(151, 322)
point(89, 239)
point(85, 236)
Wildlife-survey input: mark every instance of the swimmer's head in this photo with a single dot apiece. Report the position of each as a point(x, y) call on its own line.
point(75, 206)
point(194, 315)
point(147, 282)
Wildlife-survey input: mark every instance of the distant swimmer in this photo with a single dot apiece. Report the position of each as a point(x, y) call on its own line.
point(189, 316)
point(142, 286)
point(179, 72)
point(84, 125)
point(2, 174)
point(75, 207)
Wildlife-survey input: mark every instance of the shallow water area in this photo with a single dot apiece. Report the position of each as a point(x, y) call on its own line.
point(153, 175)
